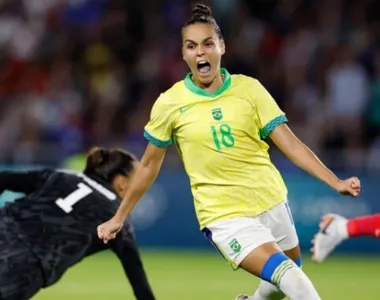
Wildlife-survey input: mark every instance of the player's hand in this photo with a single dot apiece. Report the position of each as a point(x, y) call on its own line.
point(108, 230)
point(349, 187)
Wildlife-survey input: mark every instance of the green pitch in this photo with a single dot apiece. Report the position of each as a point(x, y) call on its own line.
point(203, 276)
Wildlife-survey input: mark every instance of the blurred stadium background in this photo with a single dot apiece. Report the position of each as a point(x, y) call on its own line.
point(78, 73)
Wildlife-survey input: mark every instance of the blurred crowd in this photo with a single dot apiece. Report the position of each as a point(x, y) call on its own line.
point(77, 73)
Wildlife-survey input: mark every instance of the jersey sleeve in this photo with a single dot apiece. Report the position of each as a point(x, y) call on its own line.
point(269, 113)
point(158, 131)
point(125, 247)
point(24, 182)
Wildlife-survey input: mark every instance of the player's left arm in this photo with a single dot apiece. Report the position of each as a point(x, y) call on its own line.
point(304, 158)
point(125, 247)
point(22, 181)
point(273, 125)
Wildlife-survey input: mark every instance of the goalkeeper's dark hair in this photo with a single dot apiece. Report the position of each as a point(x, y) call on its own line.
point(202, 14)
point(106, 164)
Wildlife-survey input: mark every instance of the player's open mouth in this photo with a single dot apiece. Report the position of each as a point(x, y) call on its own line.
point(204, 68)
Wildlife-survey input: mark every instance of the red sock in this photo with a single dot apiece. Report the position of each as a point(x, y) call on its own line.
point(364, 226)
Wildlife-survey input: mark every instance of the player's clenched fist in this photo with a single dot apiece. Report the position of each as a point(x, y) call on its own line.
point(108, 230)
point(349, 187)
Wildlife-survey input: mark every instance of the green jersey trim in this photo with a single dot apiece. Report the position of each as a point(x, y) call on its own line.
point(197, 90)
point(158, 143)
point(267, 130)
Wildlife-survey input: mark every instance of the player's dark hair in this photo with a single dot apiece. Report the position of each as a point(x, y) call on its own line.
point(203, 14)
point(108, 163)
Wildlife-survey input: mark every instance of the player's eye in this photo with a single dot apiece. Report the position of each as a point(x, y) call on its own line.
point(209, 44)
point(190, 46)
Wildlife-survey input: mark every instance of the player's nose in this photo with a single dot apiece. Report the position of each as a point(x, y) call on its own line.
point(200, 50)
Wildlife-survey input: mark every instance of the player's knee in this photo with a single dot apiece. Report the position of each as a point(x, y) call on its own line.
point(275, 267)
point(298, 261)
point(288, 277)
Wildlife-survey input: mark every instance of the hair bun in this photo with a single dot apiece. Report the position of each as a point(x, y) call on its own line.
point(98, 156)
point(201, 10)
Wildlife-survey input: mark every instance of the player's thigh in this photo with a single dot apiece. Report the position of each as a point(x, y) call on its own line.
point(280, 221)
point(244, 242)
point(20, 272)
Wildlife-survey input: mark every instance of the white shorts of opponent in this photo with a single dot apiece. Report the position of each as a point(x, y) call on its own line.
point(236, 238)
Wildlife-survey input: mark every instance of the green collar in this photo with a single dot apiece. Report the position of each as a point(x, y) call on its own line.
point(197, 90)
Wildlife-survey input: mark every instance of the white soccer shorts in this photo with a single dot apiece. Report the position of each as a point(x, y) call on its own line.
point(236, 238)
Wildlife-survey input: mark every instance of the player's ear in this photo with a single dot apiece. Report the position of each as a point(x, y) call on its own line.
point(120, 185)
point(222, 47)
point(183, 54)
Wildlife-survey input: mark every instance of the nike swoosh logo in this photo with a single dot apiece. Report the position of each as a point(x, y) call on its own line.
point(324, 230)
point(183, 109)
point(281, 238)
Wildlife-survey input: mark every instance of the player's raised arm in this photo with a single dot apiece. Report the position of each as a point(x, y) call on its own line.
point(273, 124)
point(304, 158)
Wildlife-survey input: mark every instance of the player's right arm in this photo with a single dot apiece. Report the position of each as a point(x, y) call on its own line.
point(158, 132)
point(145, 174)
point(22, 181)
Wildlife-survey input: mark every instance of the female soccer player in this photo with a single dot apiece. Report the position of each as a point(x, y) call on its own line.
point(219, 123)
point(53, 227)
point(334, 229)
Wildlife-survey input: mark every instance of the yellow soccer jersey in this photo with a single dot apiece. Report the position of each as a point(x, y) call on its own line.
point(220, 138)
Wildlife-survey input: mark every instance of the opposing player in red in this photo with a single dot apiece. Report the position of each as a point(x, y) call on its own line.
point(334, 229)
